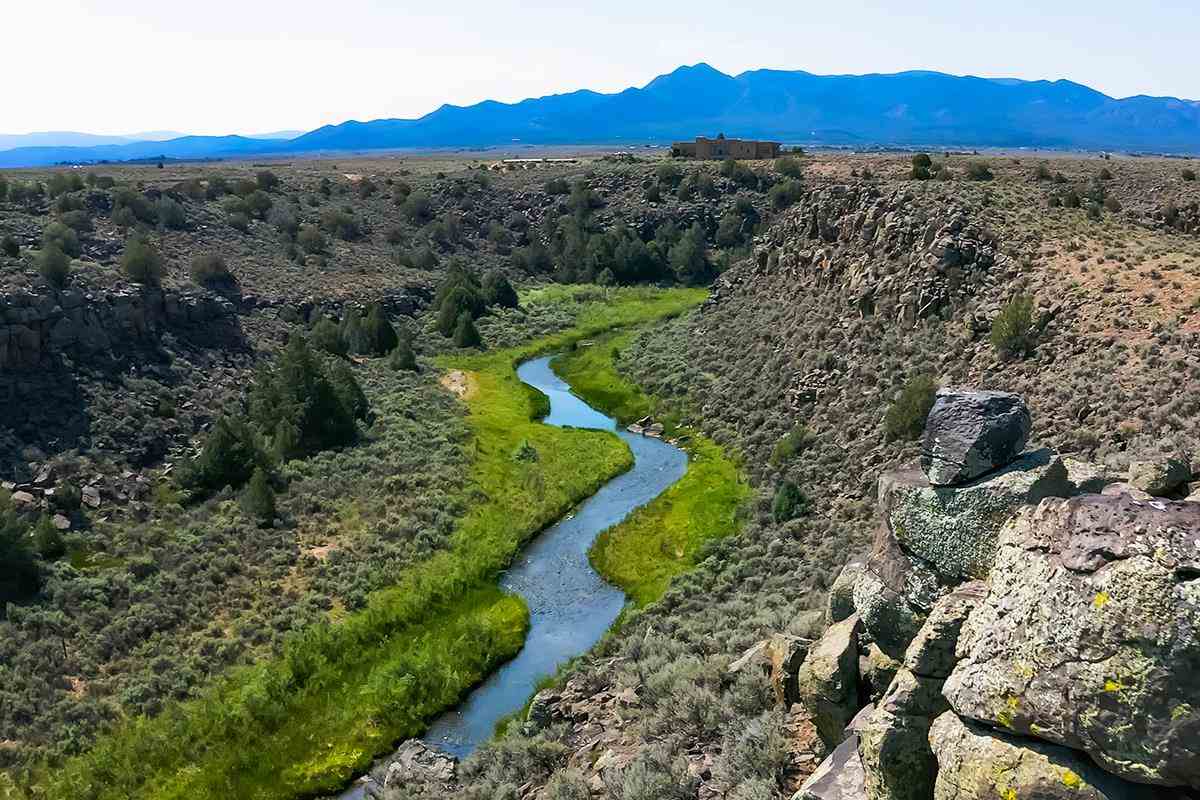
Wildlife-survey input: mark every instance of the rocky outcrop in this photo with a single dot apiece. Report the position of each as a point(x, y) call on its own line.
point(975, 763)
point(827, 681)
point(1090, 635)
point(780, 658)
point(953, 529)
point(37, 324)
point(894, 594)
point(839, 777)
point(1160, 477)
point(841, 594)
point(932, 651)
point(970, 433)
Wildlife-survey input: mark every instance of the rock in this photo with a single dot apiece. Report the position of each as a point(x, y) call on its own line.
point(841, 594)
point(1090, 635)
point(1160, 477)
point(932, 652)
point(61, 522)
point(1124, 489)
point(827, 681)
point(954, 529)
point(839, 777)
point(894, 594)
point(974, 763)
point(540, 709)
point(23, 499)
point(417, 762)
point(969, 433)
point(876, 669)
point(90, 496)
point(894, 741)
point(780, 658)
point(1087, 477)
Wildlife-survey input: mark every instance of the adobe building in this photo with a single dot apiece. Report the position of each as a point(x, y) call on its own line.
point(720, 147)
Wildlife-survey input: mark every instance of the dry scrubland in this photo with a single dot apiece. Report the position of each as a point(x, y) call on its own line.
point(792, 367)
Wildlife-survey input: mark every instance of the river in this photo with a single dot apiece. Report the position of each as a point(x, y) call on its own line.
point(570, 605)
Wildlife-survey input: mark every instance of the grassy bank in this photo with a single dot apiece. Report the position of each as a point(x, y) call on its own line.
point(305, 722)
point(663, 538)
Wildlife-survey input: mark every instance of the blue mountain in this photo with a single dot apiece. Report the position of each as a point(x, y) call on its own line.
point(929, 109)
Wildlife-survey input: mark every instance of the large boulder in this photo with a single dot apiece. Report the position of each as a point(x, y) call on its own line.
point(1160, 477)
point(954, 528)
point(839, 777)
point(894, 740)
point(876, 669)
point(1090, 635)
point(894, 594)
point(841, 594)
point(975, 763)
point(970, 433)
point(827, 681)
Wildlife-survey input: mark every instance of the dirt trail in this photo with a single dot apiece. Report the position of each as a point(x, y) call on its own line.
point(461, 384)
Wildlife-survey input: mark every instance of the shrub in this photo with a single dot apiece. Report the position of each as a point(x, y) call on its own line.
point(61, 237)
point(417, 208)
point(921, 164)
point(257, 204)
point(785, 194)
point(341, 223)
point(311, 240)
point(327, 337)
point(1112, 204)
point(284, 218)
point(141, 262)
point(54, 265)
point(688, 258)
point(47, 540)
point(1013, 329)
point(134, 204)
point(979, 171)
point(1104, 174)
point(790, 167)
point(1189, 174)
point(465, 333)
point(789, 503)
point(9, 246)
point(394, 234)
point(239, 221)
point(403, 357)
point(556, 186)
point(79, 221)
point(266, 180)
point(3, 188)
point(170, 213)
point(791, 445)
point(258, 498)
point(19, 575)
point(905, 418)
point(63, 182)
point(1071, 199)
point(497, 291)
point(211, 270)
point(1042, 173)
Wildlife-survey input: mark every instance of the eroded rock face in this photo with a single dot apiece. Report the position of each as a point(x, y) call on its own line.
point(827, 681)
point(932, 653)
point(954, 528)
point(1159, 478)
point(894, 594)
point(1090, 635)
point(975, 763)
point(894, 741)
point(970, 433)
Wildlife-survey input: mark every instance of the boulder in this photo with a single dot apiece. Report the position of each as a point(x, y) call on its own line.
point(954, 528)
point(827, 681)
point(841, 594)
point(894, 594)
point(1160, 477)
point(970, 433)
point(417, 763)
point(839, 777)
point(876, 669)
point(975, 763)
point(932, 652)
point(1090, 635)
point(780, 658)
point(541, 707)
point(894, 742)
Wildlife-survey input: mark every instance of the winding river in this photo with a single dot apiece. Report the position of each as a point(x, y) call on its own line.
point(570, 605)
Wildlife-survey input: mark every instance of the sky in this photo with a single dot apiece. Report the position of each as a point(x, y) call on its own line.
point(248, 66)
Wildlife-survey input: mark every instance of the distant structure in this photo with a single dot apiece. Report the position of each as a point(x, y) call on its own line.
point(720, 147)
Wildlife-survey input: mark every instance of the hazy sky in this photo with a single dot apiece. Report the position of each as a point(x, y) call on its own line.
point(219, 66)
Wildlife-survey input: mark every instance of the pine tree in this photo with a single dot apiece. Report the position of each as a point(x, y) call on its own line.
point(258, 499)
point(354, 333)
point(497, 290)
point(403, 357)
point(47, 540)
point(19, 575)
point(327, 336)
point(380, 334)
point(465, 333)
point(349, 393)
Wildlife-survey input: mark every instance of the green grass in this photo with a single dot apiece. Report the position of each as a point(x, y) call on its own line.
point(663, 538)
point(340, 693)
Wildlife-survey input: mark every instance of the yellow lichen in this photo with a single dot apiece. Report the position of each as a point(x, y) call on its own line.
point(1113, 686)
point(1101, 600)
point(1009, 794)
point(1071, 780)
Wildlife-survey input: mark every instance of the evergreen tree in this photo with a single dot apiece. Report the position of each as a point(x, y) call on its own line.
point(354, 334)
point(403, 357)
point(789, 502)
point(465, 333)
point(497, 291)
point(327, 337)
point(689, 258)
point(19, 575)
point(258, 498)
point(380, 334)
point(458, 301)
point(349, 393)
point(229, 457)
point(47, 540)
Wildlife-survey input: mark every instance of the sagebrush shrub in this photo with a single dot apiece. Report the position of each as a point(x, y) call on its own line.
point(905, 418)
point(1013, 328)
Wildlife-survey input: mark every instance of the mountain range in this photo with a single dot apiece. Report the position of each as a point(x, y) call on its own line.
point(905, 109)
